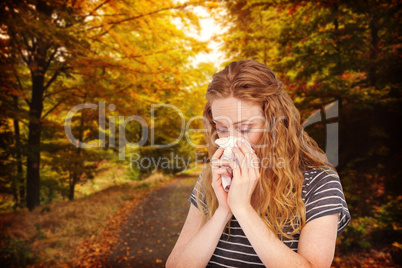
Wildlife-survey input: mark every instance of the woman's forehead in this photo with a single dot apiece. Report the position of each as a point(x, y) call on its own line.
point(232, 109)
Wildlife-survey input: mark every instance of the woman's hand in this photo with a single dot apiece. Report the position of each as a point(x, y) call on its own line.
point(217, 171)
point(246, 174)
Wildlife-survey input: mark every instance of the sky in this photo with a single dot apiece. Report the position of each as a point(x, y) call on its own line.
point(209, 27)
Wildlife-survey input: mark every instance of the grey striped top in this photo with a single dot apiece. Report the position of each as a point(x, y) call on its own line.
point(322, 195)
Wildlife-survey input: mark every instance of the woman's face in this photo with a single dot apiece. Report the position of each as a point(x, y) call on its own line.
point(233, 117)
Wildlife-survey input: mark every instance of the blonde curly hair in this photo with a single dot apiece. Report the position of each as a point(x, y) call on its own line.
point(277, 197)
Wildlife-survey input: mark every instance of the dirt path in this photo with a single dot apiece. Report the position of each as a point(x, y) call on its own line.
point(150, 233)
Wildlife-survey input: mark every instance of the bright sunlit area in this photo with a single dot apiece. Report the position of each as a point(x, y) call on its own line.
point(210, 32)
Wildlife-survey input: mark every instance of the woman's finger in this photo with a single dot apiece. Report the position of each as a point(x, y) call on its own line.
point(255, 161)
point(243, 147)
point(221, 162)
point(240, 158)
point(246, 152)
point(216, 156)
point(220, 171)
point(235, 169)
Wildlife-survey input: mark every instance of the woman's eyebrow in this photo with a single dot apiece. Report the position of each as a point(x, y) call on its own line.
point(243, 121)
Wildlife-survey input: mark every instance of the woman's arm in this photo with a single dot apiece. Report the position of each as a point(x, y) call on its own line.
point(198, 240)
point(316, 243)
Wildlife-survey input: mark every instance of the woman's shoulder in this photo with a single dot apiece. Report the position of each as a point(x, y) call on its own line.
point(314, 170)
point(320, 182)
point(320, 178)
point(323, 195)
point(312, 174)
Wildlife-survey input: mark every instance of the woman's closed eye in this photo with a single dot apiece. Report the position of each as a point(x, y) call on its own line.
point(224, 130)
point(221, 130)
point(244, 128)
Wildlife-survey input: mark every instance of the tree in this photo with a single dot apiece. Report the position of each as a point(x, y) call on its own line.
point(112, 50)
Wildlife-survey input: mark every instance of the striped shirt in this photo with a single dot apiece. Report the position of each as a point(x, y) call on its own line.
point(322, 195)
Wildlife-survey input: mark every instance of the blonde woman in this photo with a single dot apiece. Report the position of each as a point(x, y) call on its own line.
point(285, 206)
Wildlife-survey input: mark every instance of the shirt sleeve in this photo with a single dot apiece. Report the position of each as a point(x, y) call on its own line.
point(324, 196)
point(193, 196)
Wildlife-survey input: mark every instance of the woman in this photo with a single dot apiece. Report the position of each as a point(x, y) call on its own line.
point(285, 206)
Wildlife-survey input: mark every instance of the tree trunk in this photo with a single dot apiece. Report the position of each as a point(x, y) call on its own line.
point(20, 182)
point(38, 67)
point(34, 128)
point(339, 67)
point(373, 51)
point(72, 186)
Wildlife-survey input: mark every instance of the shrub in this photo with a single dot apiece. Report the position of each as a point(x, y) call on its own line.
point(15, 252)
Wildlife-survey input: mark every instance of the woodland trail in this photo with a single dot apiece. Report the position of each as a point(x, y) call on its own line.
point(151, 231)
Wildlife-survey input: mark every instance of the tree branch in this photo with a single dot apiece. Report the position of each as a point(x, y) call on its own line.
point(13, 33)
point(50, 59)
point(58, 91)
point(92, 12)
point(125, 88)
point(18, 80)
point(15, 39)
point(52, 109)
point(140, 16)
point(51, 80)
point(150, 13)
point(26, 41)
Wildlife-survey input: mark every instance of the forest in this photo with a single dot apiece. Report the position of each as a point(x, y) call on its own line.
point(86, 86)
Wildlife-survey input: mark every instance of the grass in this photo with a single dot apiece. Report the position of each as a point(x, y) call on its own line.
point(67, 232)
point(110, 175)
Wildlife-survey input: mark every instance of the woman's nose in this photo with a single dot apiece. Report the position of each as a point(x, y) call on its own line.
point(235, 133)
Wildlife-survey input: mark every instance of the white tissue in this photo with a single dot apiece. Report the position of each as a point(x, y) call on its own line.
point(228, 143)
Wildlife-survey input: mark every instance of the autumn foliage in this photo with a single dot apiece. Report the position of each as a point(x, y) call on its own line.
point(125, 56)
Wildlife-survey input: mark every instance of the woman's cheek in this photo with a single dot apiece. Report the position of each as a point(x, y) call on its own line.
point(254, 137)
